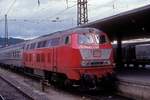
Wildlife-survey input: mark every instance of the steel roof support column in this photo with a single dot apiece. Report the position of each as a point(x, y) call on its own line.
point(119, 62)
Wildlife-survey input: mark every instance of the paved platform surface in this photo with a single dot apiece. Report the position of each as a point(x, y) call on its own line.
point(134, 83)
point(141, 76)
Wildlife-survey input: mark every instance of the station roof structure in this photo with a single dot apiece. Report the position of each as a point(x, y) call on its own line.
point(131, 24)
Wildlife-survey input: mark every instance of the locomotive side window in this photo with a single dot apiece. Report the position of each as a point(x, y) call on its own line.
point(66, 39)
point(42, 44)
point(32, 46)
point(27, 47)
point(54, 42)
point(39, 43)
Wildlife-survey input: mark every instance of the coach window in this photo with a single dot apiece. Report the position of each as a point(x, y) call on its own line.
point(14, 54)
point(23, 47)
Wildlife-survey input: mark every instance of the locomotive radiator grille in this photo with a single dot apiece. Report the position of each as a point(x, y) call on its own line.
point(95, 53)
point(95, 63)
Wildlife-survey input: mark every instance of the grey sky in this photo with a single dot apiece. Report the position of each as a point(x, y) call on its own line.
point(28, 20)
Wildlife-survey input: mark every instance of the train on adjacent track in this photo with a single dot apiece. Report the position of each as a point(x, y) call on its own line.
point(75, 56)
point(136, 55)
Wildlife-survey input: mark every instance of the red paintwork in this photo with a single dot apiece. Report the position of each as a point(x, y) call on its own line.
point(67, 59)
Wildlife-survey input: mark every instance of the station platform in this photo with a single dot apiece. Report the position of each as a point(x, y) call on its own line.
point(134, 83)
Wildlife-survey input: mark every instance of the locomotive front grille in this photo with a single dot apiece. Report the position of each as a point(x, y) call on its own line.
point(88, 54)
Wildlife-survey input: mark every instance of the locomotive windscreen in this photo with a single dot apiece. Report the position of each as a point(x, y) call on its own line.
point(92, 38)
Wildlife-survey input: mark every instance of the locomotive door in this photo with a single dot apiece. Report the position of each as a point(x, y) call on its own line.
point(54, 68)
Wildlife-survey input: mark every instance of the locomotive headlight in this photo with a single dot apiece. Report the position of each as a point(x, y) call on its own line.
point(85, 63)
point(107, 62)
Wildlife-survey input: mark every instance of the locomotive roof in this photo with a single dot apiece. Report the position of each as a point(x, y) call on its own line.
point(69, 31)
point(60, 33)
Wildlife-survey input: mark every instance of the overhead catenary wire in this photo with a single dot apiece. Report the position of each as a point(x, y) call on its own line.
point(62, 11)
point(108, 4)
point(8, 10)
point(11, 6)
point(48, 18)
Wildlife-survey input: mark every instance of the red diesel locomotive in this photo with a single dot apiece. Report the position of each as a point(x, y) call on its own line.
point(74, 56)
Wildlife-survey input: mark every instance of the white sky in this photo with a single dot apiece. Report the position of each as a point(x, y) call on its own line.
point(28, 20)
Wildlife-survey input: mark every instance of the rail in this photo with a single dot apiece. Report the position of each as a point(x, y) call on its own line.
point(1, 97)
point(16, 87)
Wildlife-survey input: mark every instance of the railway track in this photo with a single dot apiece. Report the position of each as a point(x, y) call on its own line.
point(7, 77)
point(11, 84)
point(1, 97)
point(76, 94)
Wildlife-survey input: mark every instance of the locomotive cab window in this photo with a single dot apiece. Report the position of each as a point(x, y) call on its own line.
point(101, 39)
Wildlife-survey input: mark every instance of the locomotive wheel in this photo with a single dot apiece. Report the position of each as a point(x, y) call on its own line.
point(53, 79)
point(57, 80)
point(68, 84)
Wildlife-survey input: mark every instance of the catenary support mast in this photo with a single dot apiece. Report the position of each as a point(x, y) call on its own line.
point(6, 31)
point(82, 12)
